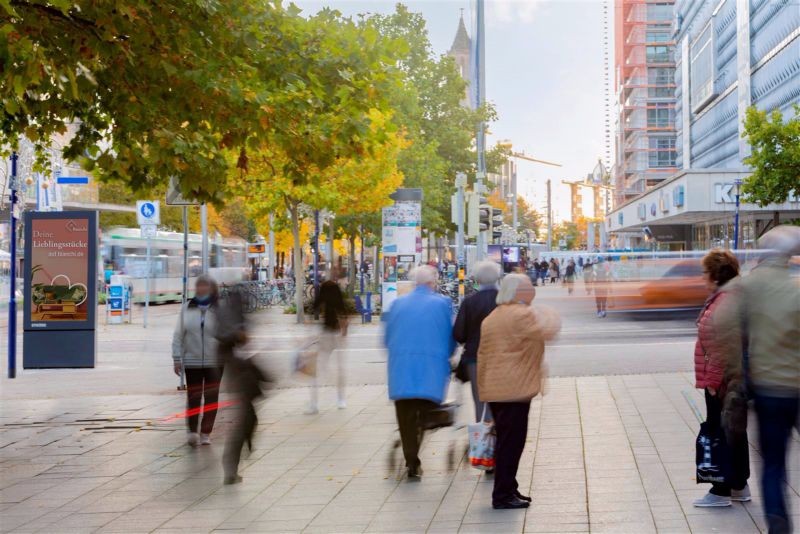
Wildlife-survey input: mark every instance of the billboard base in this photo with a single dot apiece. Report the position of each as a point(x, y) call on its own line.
point(52, 349)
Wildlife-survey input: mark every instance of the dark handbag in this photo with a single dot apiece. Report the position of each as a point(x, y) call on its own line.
point(442, 416)
point(712, 455)
point(462, 371)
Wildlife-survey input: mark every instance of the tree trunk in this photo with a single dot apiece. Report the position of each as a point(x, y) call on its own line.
point(351, 282)
point(297, 261)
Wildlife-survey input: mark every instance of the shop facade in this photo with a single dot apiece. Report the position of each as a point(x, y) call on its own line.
point(694, 210)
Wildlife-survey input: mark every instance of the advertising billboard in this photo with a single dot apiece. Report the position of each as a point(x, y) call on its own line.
point(60, 301)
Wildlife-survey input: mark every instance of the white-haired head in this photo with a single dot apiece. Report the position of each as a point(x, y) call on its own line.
point(509, 286)
point(783, 240)
point(486, 273)
point(425, 275)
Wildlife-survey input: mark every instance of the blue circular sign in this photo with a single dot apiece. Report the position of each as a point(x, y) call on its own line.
point(148, 210)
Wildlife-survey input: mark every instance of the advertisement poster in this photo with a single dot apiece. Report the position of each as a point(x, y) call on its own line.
point(390, 268)
point(60, 271)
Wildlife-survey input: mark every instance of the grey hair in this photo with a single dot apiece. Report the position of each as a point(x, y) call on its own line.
point(486, 272)
point(425, 275)
point(784, 240)
point(508, 288)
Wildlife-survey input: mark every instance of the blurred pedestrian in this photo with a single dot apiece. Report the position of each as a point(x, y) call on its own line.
point(717, 364)
point(769, 308)
point(588, 276)
point(543, 268)
point(420, 341)
point(569, 276)
point(194, 348)
point(334, 327)
point(467, 328)
point(553, 270)
point(244, 380)
point(600, 283)
point(511, 372)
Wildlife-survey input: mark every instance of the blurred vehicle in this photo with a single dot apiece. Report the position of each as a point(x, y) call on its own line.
point(679, 288)
point(125, 251)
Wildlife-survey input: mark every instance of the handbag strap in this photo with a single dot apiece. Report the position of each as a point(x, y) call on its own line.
point(483, 415)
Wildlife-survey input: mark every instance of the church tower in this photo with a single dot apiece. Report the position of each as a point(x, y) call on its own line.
point(460, 52)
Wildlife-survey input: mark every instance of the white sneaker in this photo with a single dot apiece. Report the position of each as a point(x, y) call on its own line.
point(193, 439)
point(712, 501)
point(742, 495)
point(341, 404)
point(205, 439)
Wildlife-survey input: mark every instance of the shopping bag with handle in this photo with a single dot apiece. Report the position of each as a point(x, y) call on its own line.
point(481, 443)
point(305, 359)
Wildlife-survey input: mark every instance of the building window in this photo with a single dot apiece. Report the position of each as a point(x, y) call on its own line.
point(659, 116)
point(655, 36)
point(702, 69)
point(657, 79)
point(659, 54)
point(662, 152)
point(659, 12)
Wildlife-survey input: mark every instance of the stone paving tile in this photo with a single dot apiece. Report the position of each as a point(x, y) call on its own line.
point(604, 454)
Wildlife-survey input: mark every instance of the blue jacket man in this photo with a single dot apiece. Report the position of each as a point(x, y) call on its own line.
point(420, 341)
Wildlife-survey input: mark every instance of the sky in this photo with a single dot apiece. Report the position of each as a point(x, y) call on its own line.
point(544, 74)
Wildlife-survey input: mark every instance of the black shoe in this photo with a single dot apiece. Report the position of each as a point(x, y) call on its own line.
point(523, 497)
point(512, 504)
point(415, 473)
point(235, 479)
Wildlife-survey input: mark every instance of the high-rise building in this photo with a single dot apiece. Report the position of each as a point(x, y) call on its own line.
point(645, 90)
point(730, 55)
point(460, 51)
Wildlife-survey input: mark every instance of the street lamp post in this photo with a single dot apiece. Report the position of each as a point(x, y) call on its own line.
point(738, 183)
point(12, 297)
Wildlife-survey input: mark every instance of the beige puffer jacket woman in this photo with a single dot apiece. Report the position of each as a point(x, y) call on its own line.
point(511, 354)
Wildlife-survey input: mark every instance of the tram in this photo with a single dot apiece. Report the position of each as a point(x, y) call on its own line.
point(124, 251)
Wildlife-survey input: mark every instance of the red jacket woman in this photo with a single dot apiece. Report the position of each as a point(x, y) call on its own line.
point(709, 356)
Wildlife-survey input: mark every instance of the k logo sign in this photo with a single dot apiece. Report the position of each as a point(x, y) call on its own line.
point(724, 193)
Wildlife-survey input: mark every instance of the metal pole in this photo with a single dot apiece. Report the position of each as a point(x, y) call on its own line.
point(316, 261)
point(185, 282)
point(736, 217)
point(204, 229)
point(147, 285)
point(361, 266)
point(514, 220)
point(273, 257)
point(12, 297)
point(479, 84)
point(549, 219)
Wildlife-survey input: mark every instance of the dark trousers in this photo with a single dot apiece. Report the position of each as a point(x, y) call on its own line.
point(202, 396)
point(600, 300)
point(776, 417)
point(737, 446)
point(411, 415)
point(511, 425)
point(242, 432)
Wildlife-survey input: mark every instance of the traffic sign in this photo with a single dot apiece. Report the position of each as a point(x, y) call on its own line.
point(67, 180)
point(149, 230)
point(147, 212)
point(175, 196)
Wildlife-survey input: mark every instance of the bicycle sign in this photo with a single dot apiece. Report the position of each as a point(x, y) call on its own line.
point(147, 212)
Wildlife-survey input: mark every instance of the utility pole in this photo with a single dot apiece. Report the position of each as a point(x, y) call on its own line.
point(479, 85)
point(738, 183)
point(204, 229)
point(549, 219)
point(514, 222)
point(316, 261)
point(12, 297)
point(461, 182)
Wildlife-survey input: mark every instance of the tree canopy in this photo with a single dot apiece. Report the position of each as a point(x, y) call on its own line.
point(775, 157)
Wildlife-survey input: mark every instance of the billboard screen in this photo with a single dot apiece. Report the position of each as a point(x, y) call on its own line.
point(60, 288)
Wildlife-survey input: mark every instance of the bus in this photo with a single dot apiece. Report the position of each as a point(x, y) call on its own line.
point(124, 251)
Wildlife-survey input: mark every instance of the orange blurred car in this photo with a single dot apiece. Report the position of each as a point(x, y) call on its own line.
point(679, 288)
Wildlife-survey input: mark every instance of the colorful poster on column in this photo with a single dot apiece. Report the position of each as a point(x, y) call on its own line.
point(60, 255)
point(402, 244)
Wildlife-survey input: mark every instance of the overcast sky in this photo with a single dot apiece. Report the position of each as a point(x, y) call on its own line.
point(544, 73)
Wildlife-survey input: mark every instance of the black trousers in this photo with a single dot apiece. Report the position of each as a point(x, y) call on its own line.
point(245, 425)
point(202, 396)
point(411, 415)
point(511, 425)
point(737, 445)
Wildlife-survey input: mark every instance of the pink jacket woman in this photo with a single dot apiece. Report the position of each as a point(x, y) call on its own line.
point(710, 358)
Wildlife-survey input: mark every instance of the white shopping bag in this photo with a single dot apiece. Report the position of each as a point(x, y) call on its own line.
point(305, 359)
point(481, 443)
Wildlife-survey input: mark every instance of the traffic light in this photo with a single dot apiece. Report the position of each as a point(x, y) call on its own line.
point(473, 214)
point(494, 223)
point(485, 214)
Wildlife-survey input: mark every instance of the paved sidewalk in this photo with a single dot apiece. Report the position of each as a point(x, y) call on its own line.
point(604, 454)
